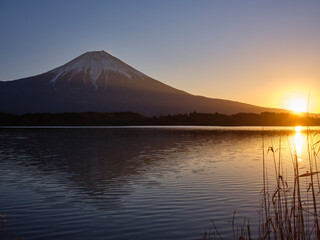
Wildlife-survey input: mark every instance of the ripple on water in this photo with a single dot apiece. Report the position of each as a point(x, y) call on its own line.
point(129, 183)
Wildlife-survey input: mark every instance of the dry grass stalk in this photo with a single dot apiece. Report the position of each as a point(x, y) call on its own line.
point(287, 213)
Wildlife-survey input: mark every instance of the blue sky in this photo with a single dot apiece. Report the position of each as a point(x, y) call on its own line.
point(260, 52)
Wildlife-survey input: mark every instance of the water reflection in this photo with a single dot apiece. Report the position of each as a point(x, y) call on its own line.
point(298, 142)
point(130, 183)
point(100, 164)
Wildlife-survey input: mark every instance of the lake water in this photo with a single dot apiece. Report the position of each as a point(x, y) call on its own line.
point(135, 182)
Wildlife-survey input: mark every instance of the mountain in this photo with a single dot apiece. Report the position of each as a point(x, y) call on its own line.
point(99, 82)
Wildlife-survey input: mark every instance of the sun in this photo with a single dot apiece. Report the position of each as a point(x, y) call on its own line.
point(298, 105)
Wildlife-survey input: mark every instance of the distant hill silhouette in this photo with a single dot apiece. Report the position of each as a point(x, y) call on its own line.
point(99, 82)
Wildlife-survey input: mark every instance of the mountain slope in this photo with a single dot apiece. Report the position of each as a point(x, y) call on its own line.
point(98, 82)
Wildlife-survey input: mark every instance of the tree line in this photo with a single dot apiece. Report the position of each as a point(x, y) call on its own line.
point(136, 119)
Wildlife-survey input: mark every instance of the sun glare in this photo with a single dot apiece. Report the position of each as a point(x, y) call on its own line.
point(298, 105)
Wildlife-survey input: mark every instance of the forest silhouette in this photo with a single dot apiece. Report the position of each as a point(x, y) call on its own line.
point(136, 119)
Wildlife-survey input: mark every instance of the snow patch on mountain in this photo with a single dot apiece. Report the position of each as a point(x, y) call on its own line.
point(93, 64)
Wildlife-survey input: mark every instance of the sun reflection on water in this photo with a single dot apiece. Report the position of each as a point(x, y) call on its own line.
point(298, 142)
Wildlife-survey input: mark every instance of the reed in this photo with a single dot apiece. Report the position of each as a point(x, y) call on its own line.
point(5, 233)
point(290, 211)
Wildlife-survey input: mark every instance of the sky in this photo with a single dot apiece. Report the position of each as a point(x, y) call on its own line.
point(265, 53)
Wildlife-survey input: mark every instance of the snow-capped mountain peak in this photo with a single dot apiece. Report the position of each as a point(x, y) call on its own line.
point(93, 65)
point(100, 82)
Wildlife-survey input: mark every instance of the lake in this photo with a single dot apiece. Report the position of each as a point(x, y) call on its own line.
point(136, 182)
